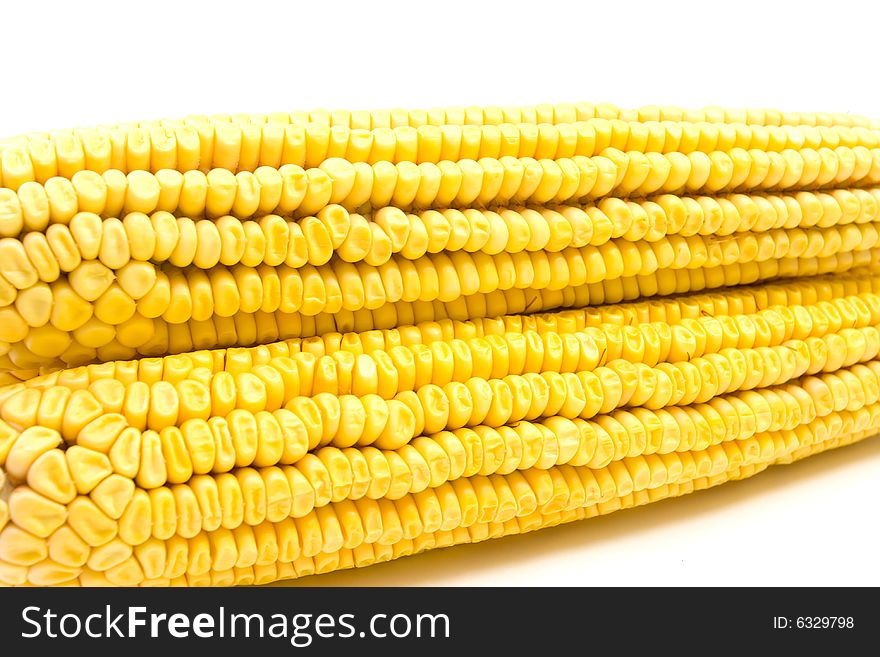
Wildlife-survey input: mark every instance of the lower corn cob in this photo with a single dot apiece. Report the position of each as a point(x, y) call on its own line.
point(248, 465)
point(237, 349)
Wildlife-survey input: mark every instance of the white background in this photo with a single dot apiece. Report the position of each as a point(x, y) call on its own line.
point(81, 63)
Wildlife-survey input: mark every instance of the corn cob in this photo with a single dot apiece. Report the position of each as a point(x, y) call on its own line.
point(236, 349)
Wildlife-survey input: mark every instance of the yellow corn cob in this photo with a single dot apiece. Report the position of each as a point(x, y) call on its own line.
point(397, 527)
point(236, 349)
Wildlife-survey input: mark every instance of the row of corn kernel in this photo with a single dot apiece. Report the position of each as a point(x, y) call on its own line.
point(248, 329)
point(344, 364)
point(367, 554)
point(242, 147)
point(175, 295)
point(682, 309)
point(79, 418)
point(331, 474)
point(372, 239)
point(493, 115)
point(672, 310)
point(45, 257)
point(860, 308)
point(262, 433)
point(262, 328)
point(25, 348)
point(572, 492)
point(242, 499)
point(155, 558)
point(561, 342)
point(438, 399)
point(693, 334)
point(291, 189)
point(544, 113)
point(178, 296)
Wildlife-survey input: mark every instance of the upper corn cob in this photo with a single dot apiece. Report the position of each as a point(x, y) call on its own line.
point(468, 323)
